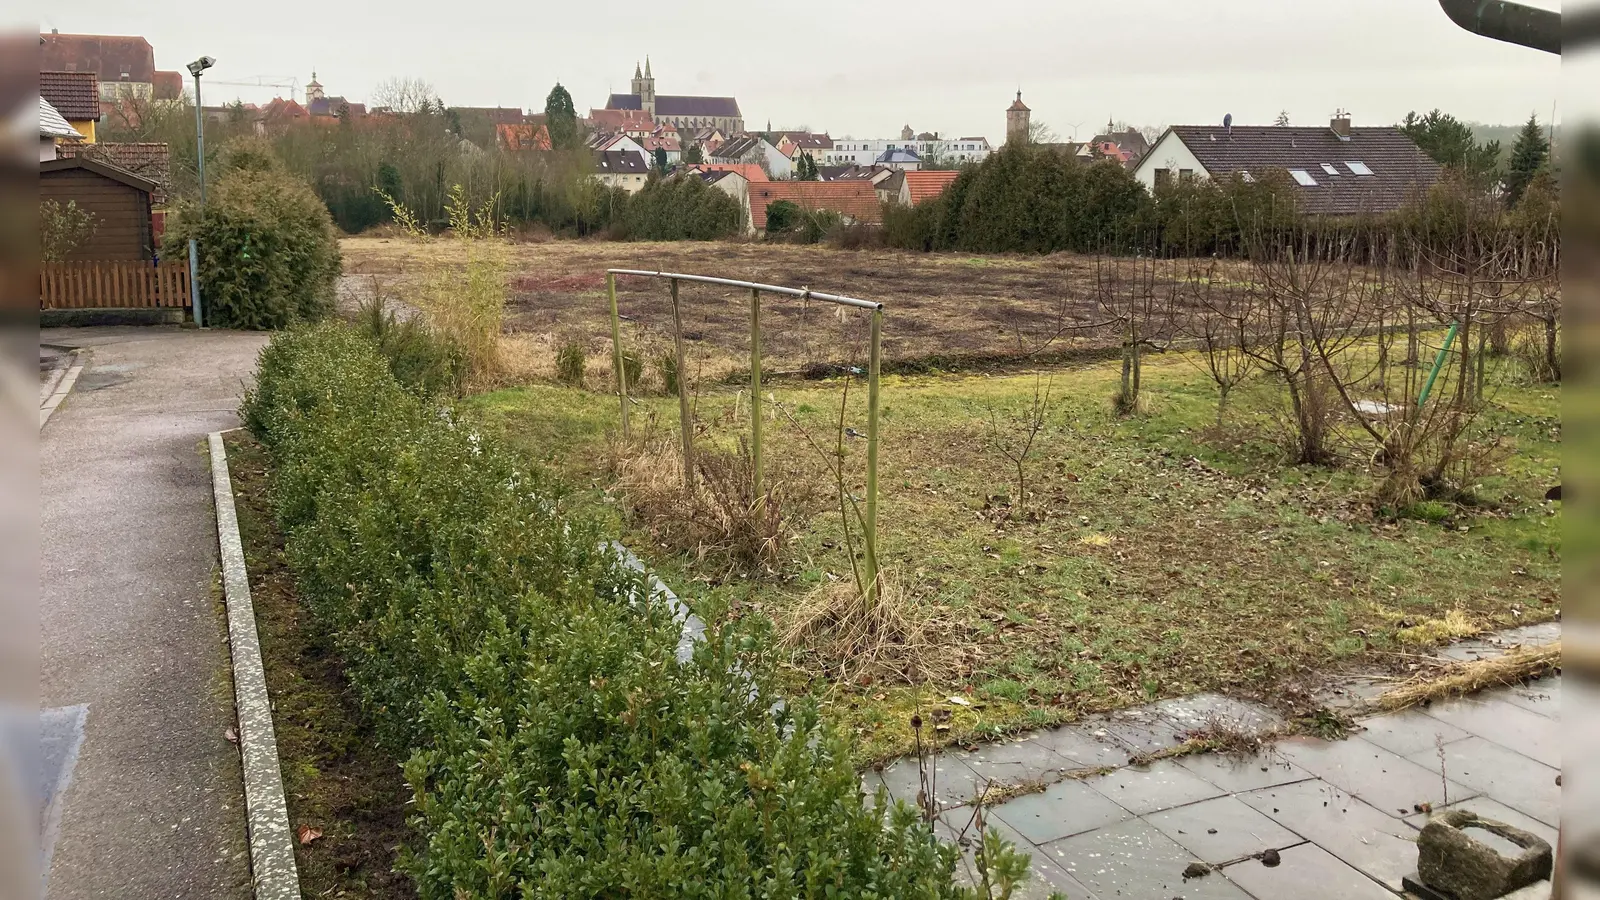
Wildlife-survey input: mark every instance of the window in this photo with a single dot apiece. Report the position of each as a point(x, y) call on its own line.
point(1328, 167)
point(1185, 175)
point(1303, 178)
point(1163, 177)
point(1358, 168)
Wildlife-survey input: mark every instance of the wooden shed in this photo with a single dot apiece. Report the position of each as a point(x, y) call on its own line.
point(118, 199)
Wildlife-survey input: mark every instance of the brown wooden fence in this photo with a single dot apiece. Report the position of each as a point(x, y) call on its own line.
point(113, 284)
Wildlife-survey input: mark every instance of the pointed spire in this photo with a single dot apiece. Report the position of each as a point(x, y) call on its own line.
point(647, 66)
point(636, 72)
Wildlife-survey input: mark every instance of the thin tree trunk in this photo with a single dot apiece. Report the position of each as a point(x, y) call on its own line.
point(1552, 357)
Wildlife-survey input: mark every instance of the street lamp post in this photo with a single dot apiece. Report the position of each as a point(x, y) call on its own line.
point(195, 68)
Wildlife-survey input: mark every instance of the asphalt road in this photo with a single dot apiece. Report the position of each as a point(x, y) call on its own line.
point(132, 626)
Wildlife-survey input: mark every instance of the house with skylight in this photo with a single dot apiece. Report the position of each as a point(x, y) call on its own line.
point(1338, 170)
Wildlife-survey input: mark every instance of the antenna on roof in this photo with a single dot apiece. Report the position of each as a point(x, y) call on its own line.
point(1227, 124)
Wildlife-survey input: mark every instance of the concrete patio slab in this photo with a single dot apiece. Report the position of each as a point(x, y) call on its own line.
point(1390, 783)
point(1409, 732)
point(1382, 847)
point(1064, 809)
point(1218, 830)
point(1134, 859)
point(1306, 872)
point(1507, 724)
point(1234, 773)
point(1161, 786)
point(1523, 784)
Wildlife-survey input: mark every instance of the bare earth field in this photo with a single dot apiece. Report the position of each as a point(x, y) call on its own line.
point(941, 309)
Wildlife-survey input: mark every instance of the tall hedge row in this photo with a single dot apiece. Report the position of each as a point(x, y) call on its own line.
point(556, 746)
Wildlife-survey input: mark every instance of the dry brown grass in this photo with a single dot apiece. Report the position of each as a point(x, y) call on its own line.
point(942, 308)
point(718, 520)
point(1460, 679)
point(1454, 626)
point(835, 631)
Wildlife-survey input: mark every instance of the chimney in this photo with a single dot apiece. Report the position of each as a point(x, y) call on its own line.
point(1341, 125)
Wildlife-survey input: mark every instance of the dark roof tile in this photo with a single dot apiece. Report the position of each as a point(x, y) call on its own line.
point(76, 95)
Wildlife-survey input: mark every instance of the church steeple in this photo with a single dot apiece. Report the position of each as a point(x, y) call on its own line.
point(644, 87)
point(647, 66)
point(636, 74)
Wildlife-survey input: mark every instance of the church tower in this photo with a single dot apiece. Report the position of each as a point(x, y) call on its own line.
point(1017, 121)
point(313, 90)
point(644, 87)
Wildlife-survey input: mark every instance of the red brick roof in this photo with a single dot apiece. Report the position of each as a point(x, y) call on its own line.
point(107, 56)
point(927, 185)
point(855, 199)
point(750, 171)
point(523, 137)
point(76, 95)
point(621, 120)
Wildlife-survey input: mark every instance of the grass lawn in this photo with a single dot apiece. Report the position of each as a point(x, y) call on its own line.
point(1147, 557)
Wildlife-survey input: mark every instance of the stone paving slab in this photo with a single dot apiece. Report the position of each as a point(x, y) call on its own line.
point(1017, 761)
point(1409, 732)
point(1064, 809)
point(1491, 717)
point(954, 784)
point(1390, 783)
point(1542, 696)
point(1089, 746)
point(1523, 784)
point(1234, 773)
point(1382, 847)
point(1044, 876)
point(1160, 786)
point(1221, 829)
point(1306, 872)
point(1135, 860)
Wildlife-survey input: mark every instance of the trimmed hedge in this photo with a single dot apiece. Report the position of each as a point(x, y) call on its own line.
point(556, 746)
point(269, 255)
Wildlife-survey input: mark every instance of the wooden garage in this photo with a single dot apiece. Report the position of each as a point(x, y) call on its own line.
point(119, 200)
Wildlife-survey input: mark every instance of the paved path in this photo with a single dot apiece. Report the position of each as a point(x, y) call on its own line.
point(131, 627)
point(1343, 815)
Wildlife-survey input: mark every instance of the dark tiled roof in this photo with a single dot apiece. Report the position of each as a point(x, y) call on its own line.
point(499, 115)
point(620, 162)
point(1400, 170)
point(149, 160)
point(76, 95)
point(737, 148)
point(806, 140)
point(168, 85)
point(105, 55)
point(336, 106)
point(670, 105)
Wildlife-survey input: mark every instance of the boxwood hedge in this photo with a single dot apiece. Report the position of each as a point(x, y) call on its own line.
point(555, 745)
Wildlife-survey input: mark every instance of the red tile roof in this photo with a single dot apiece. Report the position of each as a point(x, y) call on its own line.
point(168, 85)
point(750, 171)
point(621, 120)
point(105, 55)
point(855, 199)
point(76, 95)
point(927, 185)
point(523, 137)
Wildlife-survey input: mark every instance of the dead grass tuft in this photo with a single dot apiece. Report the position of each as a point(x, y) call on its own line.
point(1453, 626)
point(1460, 679)
point(892, 639)
point(718, 520)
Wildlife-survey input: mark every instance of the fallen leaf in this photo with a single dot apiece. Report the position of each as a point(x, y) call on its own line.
point(231, 735)
point(960, 701)
point(308, 834)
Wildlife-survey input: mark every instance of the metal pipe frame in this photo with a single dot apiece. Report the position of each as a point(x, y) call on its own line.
point(673, 279)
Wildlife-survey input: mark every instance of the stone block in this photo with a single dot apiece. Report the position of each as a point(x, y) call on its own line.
point(1473, 858)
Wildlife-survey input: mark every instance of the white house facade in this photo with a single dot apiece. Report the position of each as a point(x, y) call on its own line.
point(851, 151)
point(1170, 158)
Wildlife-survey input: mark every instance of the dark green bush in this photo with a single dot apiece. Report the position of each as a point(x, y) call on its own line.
point(557, 746)
point(269, 254)
point(782, 216)
point(682, 209)
point(419, 359)
point(570, 358)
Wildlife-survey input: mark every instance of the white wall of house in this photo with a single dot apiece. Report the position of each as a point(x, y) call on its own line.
point(738, 187)
point(47, 148)
point(850, 151)
point(628, 181)
point(1170, 154)
point(623, 142)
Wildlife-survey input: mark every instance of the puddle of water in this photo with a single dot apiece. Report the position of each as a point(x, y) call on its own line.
point(1501, 845)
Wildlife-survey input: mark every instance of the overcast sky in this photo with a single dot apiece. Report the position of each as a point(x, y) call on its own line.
point(865, 71)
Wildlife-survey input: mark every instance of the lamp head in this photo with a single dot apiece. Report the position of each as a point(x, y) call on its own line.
point(201, 64)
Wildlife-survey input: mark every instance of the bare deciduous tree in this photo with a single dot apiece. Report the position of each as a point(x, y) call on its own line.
point(405, 95)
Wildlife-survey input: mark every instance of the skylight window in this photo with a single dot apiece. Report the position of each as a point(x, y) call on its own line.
point(1357, 167)
point(1303, 178)
point(1328, 167)
point(1248, 178)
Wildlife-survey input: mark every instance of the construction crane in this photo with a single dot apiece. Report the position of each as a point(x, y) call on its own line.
point(292, 85)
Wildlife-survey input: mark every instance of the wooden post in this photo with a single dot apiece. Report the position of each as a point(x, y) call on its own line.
point(870, 538)
point(755, 397)
point(685, 418)
point(616, 351)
